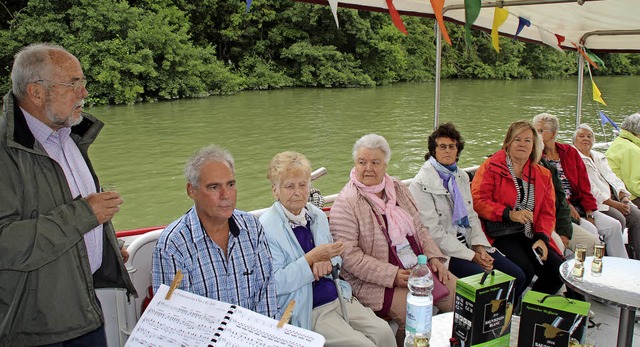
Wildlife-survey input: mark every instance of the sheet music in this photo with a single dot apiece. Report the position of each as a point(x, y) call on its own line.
point(191, 320)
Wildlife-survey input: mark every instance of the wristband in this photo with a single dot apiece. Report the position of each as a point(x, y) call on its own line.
point(589, 216)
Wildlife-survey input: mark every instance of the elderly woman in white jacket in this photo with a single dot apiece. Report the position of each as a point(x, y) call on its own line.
point(443, 195)
point(608, 190)
point(303, 254)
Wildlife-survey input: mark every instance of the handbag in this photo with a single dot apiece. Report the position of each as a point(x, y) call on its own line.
point(498, 229)
point(439, 291)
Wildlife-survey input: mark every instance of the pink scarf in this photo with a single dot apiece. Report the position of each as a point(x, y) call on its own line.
point(399, 222)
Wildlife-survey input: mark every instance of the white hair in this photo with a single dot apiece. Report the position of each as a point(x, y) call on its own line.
point(632, 123)
point(584, 126)
point(203, 156)
point(550, 121)
point(372, 141)
point(32, 63)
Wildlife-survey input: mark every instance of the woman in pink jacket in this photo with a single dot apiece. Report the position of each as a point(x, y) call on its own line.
point(377, 220)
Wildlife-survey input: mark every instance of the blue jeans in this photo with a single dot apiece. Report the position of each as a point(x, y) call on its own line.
point(97, 338)
point(463, 268)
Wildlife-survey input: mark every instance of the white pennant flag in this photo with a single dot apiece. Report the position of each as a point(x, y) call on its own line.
point(549, 39)
point(334, 10)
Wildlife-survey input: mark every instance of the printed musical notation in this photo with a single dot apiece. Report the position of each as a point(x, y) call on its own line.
point(191, 320)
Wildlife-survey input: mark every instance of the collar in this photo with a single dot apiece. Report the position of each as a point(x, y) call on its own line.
point(42, 132)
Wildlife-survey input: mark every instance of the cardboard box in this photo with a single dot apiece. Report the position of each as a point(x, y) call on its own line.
point(551, 320)
point(483, 307)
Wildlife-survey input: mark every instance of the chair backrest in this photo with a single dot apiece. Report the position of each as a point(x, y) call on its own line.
point(140, 263)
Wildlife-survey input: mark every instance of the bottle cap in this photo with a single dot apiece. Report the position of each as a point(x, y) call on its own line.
point(422, 259)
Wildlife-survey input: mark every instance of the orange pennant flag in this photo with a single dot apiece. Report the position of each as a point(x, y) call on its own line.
point(597, 96)
point(395, 17)
point(584, 54)
point(437, 6)
point(500, 15)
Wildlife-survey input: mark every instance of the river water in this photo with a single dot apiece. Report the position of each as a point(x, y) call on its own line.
point(143, 148)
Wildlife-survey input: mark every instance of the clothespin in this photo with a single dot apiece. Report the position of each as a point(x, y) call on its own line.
point(287, 314)
point(174, 284)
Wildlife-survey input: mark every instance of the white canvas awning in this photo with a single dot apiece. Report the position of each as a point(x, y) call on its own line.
point(599, 25)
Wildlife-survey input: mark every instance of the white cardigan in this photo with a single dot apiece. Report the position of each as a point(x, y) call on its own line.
point(601, 176)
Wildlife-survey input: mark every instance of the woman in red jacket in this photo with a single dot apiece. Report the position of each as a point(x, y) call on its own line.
point(511, 187)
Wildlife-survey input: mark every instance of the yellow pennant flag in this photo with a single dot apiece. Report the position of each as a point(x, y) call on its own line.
point(597, 96)
point(499, 17)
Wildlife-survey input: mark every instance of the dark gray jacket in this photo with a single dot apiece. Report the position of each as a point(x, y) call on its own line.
point(47, 291)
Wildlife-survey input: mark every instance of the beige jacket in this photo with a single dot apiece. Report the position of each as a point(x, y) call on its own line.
point(365, 259)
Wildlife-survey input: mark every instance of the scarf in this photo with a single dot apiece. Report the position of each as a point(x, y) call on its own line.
point(447, 174)
point(399, 222)
point(525, 199)
point(299, 219)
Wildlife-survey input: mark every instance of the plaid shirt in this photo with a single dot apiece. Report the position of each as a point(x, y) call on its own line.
point(242, 278)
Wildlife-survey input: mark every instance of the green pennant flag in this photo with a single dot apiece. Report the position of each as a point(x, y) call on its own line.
point(595, 58)
point(471, 12)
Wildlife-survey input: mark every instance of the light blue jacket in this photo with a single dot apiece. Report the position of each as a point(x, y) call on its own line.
point(292, 273)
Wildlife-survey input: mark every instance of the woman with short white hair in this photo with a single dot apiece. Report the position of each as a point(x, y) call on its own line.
point(303, 256)
point(624, 155)
point(608, 190)
point(577, 186)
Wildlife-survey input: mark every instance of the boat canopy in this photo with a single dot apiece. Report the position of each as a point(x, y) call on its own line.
point(599, 25)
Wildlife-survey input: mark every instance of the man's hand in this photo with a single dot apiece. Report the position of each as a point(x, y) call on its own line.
point(622, 207)
point(565, 241)
point(104, 205)
point(402, 278)
point(321, 268)
point(440, 270)
point(574, 213)
point(324, 252)
point(124, 253)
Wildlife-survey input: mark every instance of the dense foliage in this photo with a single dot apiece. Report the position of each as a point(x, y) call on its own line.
point(164, 49)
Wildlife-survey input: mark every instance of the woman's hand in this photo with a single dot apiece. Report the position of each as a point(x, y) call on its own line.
point(482, 258)
point(622, 207)
point(574, 213)
point(439, 269)
point(522, 216)
point(543, 246)
point(321, 268)
point(402, 278)
point(324, 252)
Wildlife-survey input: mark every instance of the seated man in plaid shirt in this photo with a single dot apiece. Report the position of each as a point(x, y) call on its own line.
point(222, 252)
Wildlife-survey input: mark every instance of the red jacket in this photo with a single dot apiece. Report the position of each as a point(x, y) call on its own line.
point(576, 173)
point(494, 191)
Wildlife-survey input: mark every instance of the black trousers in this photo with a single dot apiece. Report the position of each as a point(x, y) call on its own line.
point(517, 248)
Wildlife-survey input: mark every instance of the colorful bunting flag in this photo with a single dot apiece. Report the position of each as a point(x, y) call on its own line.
point(582, 52)
point(395, 17)
point(560, 40)
point(521, 24)
point(499, 17)
point(597, 96)
point(334, 9)
point(248, 6)
point(595, 58)
point(471, 12)
point(437, 6)
point(549, 39)
point(604, 120)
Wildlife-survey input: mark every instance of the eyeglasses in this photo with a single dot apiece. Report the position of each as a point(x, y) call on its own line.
point(444, 147)
point(76, 86)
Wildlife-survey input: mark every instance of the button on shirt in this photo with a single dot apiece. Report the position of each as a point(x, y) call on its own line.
point(243, 277)
point(61, 148)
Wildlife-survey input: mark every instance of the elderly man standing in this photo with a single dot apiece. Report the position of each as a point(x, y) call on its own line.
point(222, 252)
point(57, 243)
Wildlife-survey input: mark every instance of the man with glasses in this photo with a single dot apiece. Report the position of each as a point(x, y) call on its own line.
point(57, 243)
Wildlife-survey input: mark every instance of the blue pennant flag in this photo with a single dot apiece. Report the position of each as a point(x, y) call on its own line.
point(521, 24)
point(604, 119)
point(248, 5)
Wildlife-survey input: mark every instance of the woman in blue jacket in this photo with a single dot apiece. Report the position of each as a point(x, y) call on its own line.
point(304, 253)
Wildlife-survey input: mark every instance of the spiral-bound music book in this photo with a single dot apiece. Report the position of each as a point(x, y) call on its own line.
point(188, 319)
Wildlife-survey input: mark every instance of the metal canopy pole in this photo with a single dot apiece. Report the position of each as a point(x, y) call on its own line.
point(580, 87)
point(436, 116)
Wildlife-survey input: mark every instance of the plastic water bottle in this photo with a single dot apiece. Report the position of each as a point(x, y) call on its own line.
point(419, 305)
